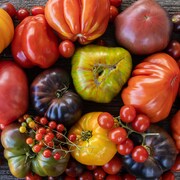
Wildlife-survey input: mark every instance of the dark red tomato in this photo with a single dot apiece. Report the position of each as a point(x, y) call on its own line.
point(99, 173)
point(33, 176)
point(176, 166)
point(91, 167)
point(113, 166)
point(141, 123)
point(22, 13)
point(9, 8)
point(66, 48)
point(113, 13)
point(115, 3)
point(128, 177)
point(117, 135)
point(113, 177)
point(86, 175)
point(106, 120)
point(139, 154)
point(173, 49)
point(168, 176)
point(127, 113)
point(35, 10)
point(126, 147)
point(69, 178)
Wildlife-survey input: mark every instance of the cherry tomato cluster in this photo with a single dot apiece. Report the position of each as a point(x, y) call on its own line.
point(44, 135)
point(122, 127)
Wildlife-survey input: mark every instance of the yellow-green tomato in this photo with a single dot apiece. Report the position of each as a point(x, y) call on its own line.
point(92, 145)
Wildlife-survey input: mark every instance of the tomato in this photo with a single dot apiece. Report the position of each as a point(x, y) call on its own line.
point(173, 49)
point(26, 52)
point(9, 8)
point(14, 83)
point(86, 175)
point(78, 20)
point(113, 177)
point(92, 144)
point(175, 125)
point(66, 48)
point(35, 10)
point(22, 13)
point(113, 13)
point(127, 113)
point(99, 173)
point(113, 166)
point(6, 29)
point(33, 176)
point(153, 86)
point(128, 177)
point(176, 165)
point(52, 97)
point(168, 176)
point(115, 3)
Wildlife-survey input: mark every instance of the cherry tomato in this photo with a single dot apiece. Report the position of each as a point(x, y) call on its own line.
point(38, 136)
point(87, 175)
point(43, 120)
point(99, 173)
point(29, 140)
point(52, 124)
point(128, 177)
point(126, 147)
point(42, 130)
point(115, 3)
point(106, 120)
point(113, 166)
point(139, 154)
point(141, 123)
point(72, 137)
point(33, 176)
point(66, 48)
point(35, 10)
point(57, 156)
point(9, 8)
point(47, 153)
point(168, 176)
point(113, 177)
point(173, 49)
point(91, 167)
point(60, 128)
point(22, 13)
point(113, 13)
point(117, 135)
point(127, 113)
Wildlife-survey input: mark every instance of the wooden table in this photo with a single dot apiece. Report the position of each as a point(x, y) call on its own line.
point(172, 6)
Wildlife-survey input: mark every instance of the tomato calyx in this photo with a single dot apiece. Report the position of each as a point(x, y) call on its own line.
point(60, 92)
point(86, 135)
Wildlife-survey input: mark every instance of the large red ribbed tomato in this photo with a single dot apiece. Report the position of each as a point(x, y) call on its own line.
point(84, 20)
point(153, 86)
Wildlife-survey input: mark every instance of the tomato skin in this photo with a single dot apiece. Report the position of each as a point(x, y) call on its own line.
point(127, 113)
point(113, 13)
point(22, 13)
point(78, 20)
point(99, 173)
point(11, 84)
point(154, 99)
point(115, 3)
point(106, 120)
point(66, 48)
point(9, 8)
point(35, 10)
point(168, 176)
point(93, 140)
point(27, 53)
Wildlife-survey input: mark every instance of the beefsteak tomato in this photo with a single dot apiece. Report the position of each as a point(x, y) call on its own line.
point(93, 147)
point(153, 86)
point(22, 160)
point(6, 29)
point(35, 43)
point(82, 20)
point(51, 97)
point(14, 92)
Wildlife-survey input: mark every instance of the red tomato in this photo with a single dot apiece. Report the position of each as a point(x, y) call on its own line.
point(13, 92)
point(113, 166)
point(33, 176)
point(113, 177)
point(66, 48)
point(9, 8)
point(86, 175)
point(176, 166)
point(173, 49)
point(128, 177)
point(22, 13)
point(106, 120)
point(168, 176)
point(35, 10)
point(127, 113)
point(99, 173)
point(113, 13)
point(115, 3)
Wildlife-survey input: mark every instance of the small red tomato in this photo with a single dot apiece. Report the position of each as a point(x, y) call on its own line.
point(52, 124)
point(36, 148)
point(91, 167)
point(66, 48)
point(139, 154)
point(127, 113)
point(117, 135)
point(57, 156)
point(173, 49)
point(33, 176)
point(128, 177)
point(99, 173)
point(113, 166)
point(115, 3)
point(106, 120)
point(176, 165)
point(9, 8)
point(113, 13)
point(35, 10)
point(86, 175)
point(168, 176)
point(47, 153)
point(113, 177)
point(22, 13)
point(72, 137)
point(43, 120)
point(60, 128)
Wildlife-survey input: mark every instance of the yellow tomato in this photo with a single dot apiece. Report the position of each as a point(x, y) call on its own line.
point(6, 29)
point(92, 146)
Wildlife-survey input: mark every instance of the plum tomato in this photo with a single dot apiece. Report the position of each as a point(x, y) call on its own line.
point(66, 48)
point(127, 113)
point(99, 173)
point(22, 13)
point(113, 13)
point(139, 154)
point(117, 135)
point(173, 49)
point(115, 3)
point(9, 8)
point(113, 166)
point(35, 10)
point(106, 120)
point(141, 123)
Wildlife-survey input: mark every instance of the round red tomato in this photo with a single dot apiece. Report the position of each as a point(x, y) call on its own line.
point(13, 92)
point(33, 176)
point(66, 48)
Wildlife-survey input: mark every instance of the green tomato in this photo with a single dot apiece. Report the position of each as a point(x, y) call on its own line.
point(100, 72)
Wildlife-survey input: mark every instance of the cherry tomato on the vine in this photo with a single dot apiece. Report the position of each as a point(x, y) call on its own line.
point(86, 175)
point(47, 153)
point(106, 120)
point(66, 48)
point(99, 173)
point(127, 113)
point(22, 13)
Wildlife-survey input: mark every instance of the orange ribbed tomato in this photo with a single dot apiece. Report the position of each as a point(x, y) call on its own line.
point(6, 29)
point(82, 20)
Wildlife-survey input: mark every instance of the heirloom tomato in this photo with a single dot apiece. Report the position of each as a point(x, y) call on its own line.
point(13, 92)
point(162, 155)
point(22, 160)
point(100, 72)
point(35, 43)
point(82, 20)
point(175, 128)
point(51, 97)
point(153, 86)
point(6, 29)
point(92, 145)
